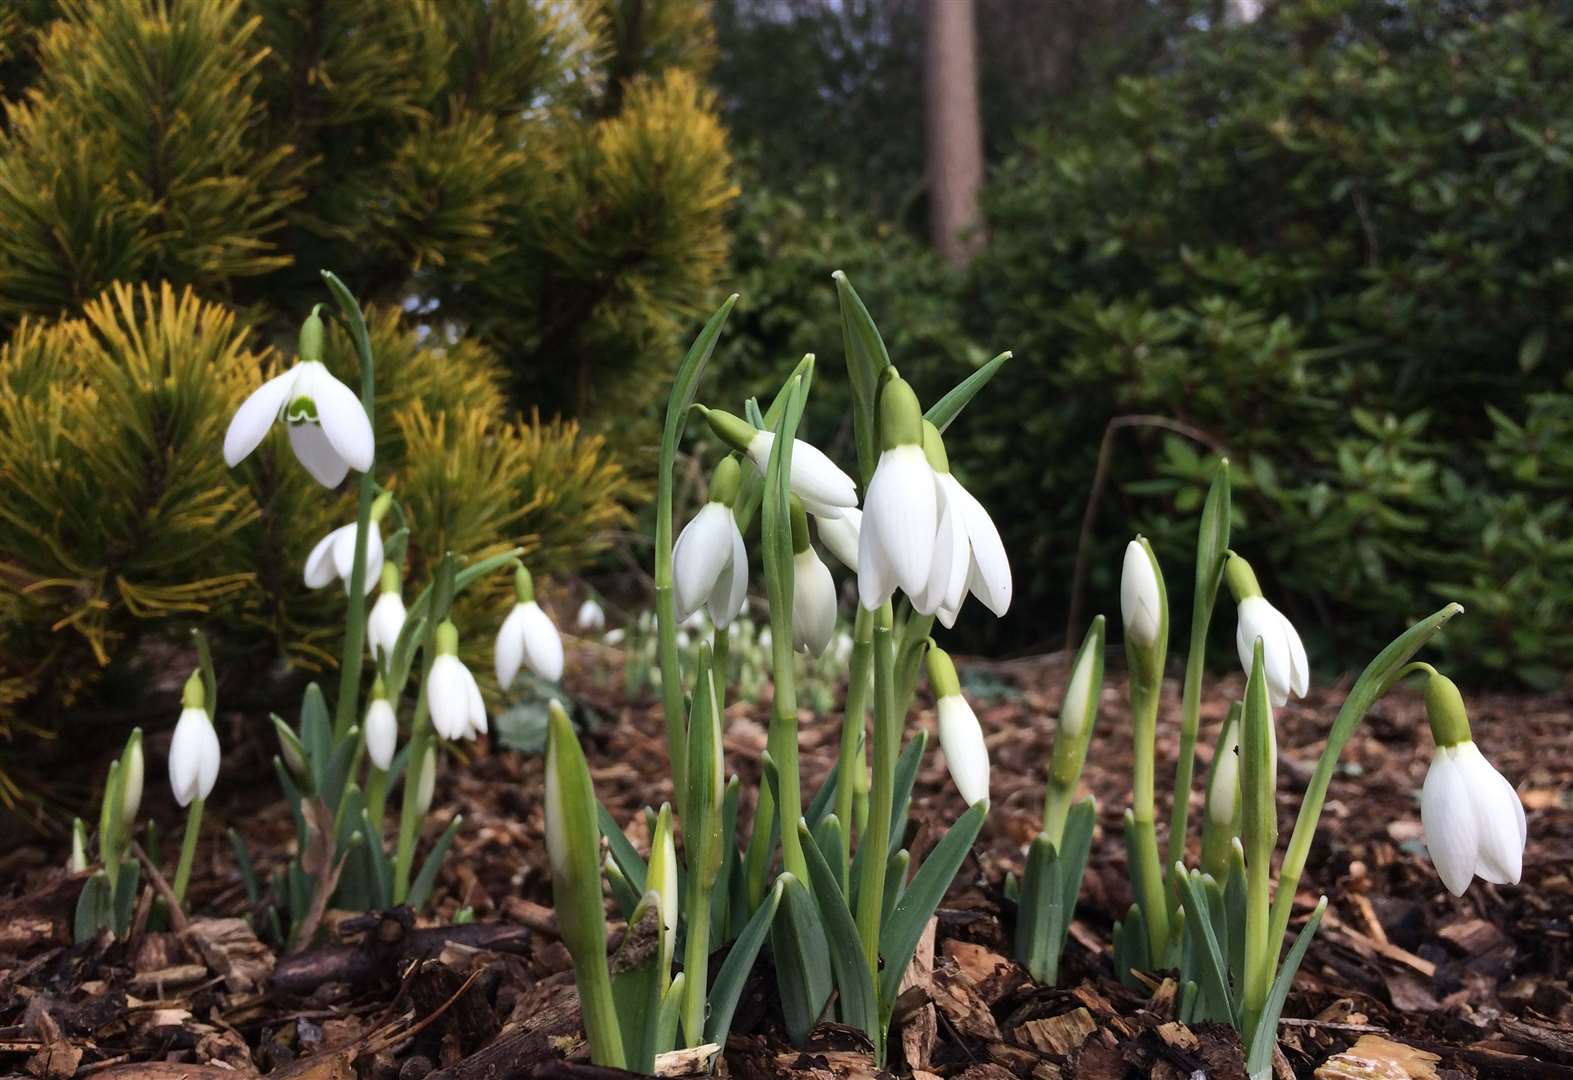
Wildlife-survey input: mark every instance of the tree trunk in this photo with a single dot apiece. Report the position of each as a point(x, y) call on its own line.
point(955, 131)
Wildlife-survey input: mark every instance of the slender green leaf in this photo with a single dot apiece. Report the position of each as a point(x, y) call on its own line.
point(898, 937)
point(727, 989)
point(853, 981)
point(1212, 965)
point(797, 941)
point(420, 890)
point(946, 409)
point(1259, 1058)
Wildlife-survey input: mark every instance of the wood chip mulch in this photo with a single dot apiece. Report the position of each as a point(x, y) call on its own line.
point(1403, 981)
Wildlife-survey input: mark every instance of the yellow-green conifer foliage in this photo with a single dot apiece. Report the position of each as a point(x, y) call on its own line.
point(121, 525)
point(528, 196)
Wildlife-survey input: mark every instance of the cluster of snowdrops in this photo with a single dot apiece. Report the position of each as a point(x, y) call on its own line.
point(826, 877)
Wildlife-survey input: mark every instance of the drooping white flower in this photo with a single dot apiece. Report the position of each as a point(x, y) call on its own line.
point(1287, 668)
point(813, 603)
point(382, 733)
point(591, 619)
point(826, 491)
point(384, 624)
point(1141, 604)
point(969, 555)
point(328, 428)
point(840, 536)
point(528, 636)
point(1473, 819)
point(194, 749)
point(900, 518)
point(453, 698)
point(333, 557)
point(710, 565)
point(960, 734)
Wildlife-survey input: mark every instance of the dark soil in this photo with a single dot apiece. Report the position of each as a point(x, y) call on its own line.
point(1403, 980)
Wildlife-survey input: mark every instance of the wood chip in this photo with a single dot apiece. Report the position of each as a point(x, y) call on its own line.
point(155, 982)
point(1472, 936)
point(1376, 1058)
point(694, 1061)
point(233, 952)
point(1059, 1034)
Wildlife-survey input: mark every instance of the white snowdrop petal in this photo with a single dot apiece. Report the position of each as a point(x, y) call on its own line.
point(447, 698)
point(988, 576)
point(876, 581)
point(731, 588)
point(382, 733)
point(256, 414)
point(703, 549)
point(343, 420)
point(813, 603)
point(1448, 821)
point(840, 536)
point(1498, 814)
point(475, 707)
point(1139, 599)
point(509, 653)
point(1299, 664)
point(314, 451)
point(815, 478)
point(902, 514)
point(320, 571)
point(543, 645)
point(384, 623)
point(966, 754)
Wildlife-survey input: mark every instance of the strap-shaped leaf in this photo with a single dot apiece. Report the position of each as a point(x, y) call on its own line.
point(901, 797)
point(823, 800)
point(1040, 911)
point(379, 867)
point(867, 359)
point(898, 938)
point(797, 941)
point(727, 989)
point(316, 734)
point(895, 883)
point(420, 890)
point(853, 981)
point(753, 484)
point(1075, 844)
point(943, 411)
point(828, 838)
point(248, 870)
point(638, 983)
point(621, 848)
point(92, 908)
point(1259, 1056)
point(1212, 965)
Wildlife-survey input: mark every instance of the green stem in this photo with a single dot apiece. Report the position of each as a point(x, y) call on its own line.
point(853, 729)
point(1190, 721)
point(915, 631)
point(1057, 800)
point(666, 653)
point(188, 851)
point(875, 841)
point(376, 797)
point(600, 1012)
point(409, 812)
point(696, 960)
point(355, 620)
point(720, 649)
point(782, 743)
point(1260, 958)
point(1148, 878)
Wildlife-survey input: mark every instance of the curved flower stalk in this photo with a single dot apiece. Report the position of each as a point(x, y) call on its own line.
point(1288, 670)
point(710, 563)
point(826, 491)
point(1473, 818)
point(813, 591)
point(387, 616)
point(527, 636)
point(328, 428)
point(960, 734)
point(901, 511)
point(969, 555)
point(452, 695)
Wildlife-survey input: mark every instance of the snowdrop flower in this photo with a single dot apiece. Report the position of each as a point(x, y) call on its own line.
point(960, 735)
point(841, 647)
point(1141, 595)
point(615, 637)
point(133, 777)
point(813, 591)
point(1473, 818)
point(333, 557)
point(840, 536)
point(452, 696)
point(826, 491)
point(382, 729)
point(328, 428)
point(591, 619)
point(387, 615)
point(661, 879)
point(900, 513)
point(194, 751)
point(1282, 652)
point(969, 555)
point(528, 636)
point(710, 563)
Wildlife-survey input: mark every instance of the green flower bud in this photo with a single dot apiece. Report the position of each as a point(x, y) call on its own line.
point(900, 415)
point(1445, 711)
point(726, 480)
point(311, 336)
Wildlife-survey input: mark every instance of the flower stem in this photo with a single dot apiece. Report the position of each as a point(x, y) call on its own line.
point(188, 851)
point(696, 960)
point(1148, 877)
point(409, 811)
point(1190, 721)
point(671, 668)
point(376, 797)
point(853, 730)
point(875, 841)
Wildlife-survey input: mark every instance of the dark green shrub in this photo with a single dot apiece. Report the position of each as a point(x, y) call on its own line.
point(1335, 243)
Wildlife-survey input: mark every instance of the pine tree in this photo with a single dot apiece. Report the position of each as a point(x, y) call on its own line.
point(528, 197)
